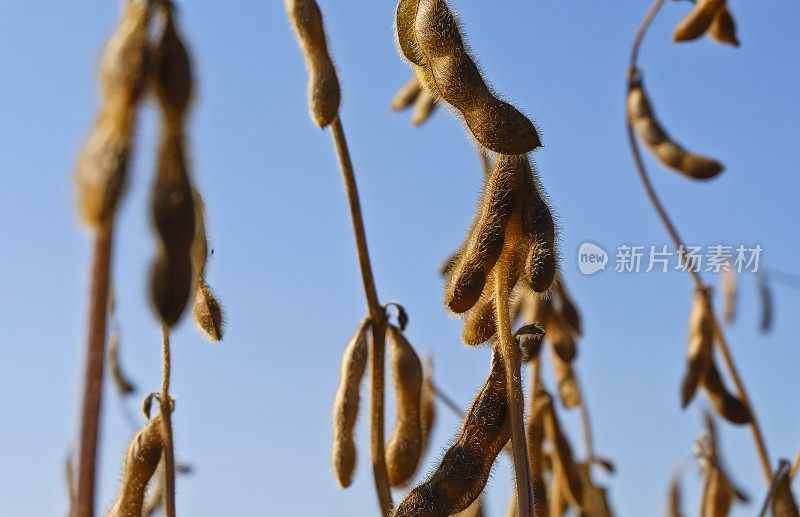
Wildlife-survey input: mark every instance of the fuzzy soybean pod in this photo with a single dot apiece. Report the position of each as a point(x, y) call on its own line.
point(172, 72)
point(696, 23)
point(141, 460)
point(484, 242)
point(726, 404)
point(437, 46)
point(460, 477)
point(174, 220)
point(564, 465)
point(643, 120)
point(345, 405)
point(701, 340)
point(124, 63)
point(424, 106)
point(406, 95)
point(480, 323)
point(323, 85)
point(404, 449)
point(568, 390)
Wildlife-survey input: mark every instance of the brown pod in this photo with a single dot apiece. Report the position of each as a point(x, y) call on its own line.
point(485, 241)
point(102, 170)
point(718, 494)
point(174, 219)
point(537, 226)
point(564, 465)
point(424, 106)
point(207, 311)
point(345, 406)
point(726, 404)
point(455, 77)
point(172, 72)
point(723, 28)
point(674, 497)
point(766, 302)
point(200, 240)
point(540, 266)
point(480, 323)
point(529, 340)
point(323, 85)
point(783, 502)
point(461, 475)
point(405, 18)
point(643, 120)
point(568, 311)
point(406, 95)
point(123, 65)
point(701, 340)
point(568, 390)
point(696, 23)
point(534, 434)
point(141, 461)
point(562, 343)
point(473, 510)
point(404, 449)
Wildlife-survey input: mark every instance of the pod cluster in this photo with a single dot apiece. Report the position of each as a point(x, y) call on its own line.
point(323, 85)
point(643, 120)
point(719, 493)
point(413, 94)
point(462, 473)
point(701, 368)
point(102, 166)
point(710, 16)
point(429, 37)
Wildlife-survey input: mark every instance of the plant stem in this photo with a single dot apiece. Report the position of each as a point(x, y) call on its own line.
point(93, 377)
point(166, 419)
point(378, 317)
point(448, 402)
point(511, 359)
point(586, 424)
point(722, 345)
point(795, 464)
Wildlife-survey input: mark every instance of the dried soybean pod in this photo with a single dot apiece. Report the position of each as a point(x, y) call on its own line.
point(123, 65)
point(537, 226)
point(529, 339)
point(700, 353)
point(141, 460)
point(424, 106)
point(345, 405)
point(200, 240)
point(766, 301)
point(405, 18)
point(564, 464)
point(172, 71)
point(123, 384)
point(696, 23)
point(480, 323)
point(726, 404)
point(404, 449)
point(728, 281)
point(723, 28)
point(406, 95)
point(207, 311)
point(323, 85)
point(568, 389)
point(428, 404)
point(562, 343)
point(783, 501)
point(485, 241)
point(461, 475)
point(174, 219)
point(643, 119)
point(473, 510)
point(534, 433)
point(674, 495)
point(568, 311)
point(718, 494)
point(495, 124)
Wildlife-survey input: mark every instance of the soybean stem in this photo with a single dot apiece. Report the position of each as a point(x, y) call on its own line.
point(93, 377)
point(586, 424)
point(166, 419)
point(722, 345)
point(378, 317)
point(511, 359)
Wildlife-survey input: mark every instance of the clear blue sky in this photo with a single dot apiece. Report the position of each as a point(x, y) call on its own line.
point(253, 413)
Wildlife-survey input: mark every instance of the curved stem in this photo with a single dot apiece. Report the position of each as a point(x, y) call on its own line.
point(166, 419)
point(378, 317)
point(722, 345)
point(511, 360)
point(93, 377)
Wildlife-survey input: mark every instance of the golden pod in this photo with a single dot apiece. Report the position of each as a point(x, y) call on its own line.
point(404, 448)
point(406, 95)
point(345, 405)
point(564, 465)
point(141, 460)
point(172, 72)
point(783, 502)
point(696, 23)
point(323, 85)
point(207, 311)
point(701, 341)
point(462, 473)
point(644, 121)
point(424, 106)
point(726, 404)
point(723, 28)
point(123, 65)
point(199, 242)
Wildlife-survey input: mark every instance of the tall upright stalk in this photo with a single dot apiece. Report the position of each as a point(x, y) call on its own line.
point(720, 340)
point(166, 419)
point(511, 360)
point(378, 317)
point(93, 377)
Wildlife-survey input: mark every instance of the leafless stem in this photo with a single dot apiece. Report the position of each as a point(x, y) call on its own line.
point(93, 377)
point(586, 424)
point(511, 359)
point(378, 317)
point(166, 418)
point(722, 345)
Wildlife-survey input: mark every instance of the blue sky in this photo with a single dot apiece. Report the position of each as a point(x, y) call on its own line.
point(253, 413)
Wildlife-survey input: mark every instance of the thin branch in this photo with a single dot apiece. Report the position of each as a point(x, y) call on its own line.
point(455, 408)
point(378, 317)
point(795, 464)
point(722, 345)
point(93, 379)
point(588, 442)
point(166, 419)
point(511, 359)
